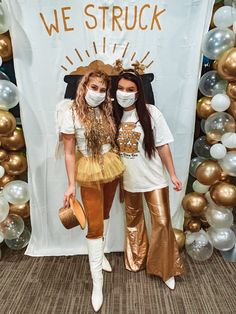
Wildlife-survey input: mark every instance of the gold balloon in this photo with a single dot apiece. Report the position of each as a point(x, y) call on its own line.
point(232, 108)
point(14, 142)
point(15, 165)
point(3, 155)
point(194, 225)
point(6, 179)
point(5, 47)
point(186, 221)
point(180, 238)
point(7, 123)
point(227, 65)
point(231, 90)
point(212, 138)
point(194, 203)
point(204, 108)
point(224, 176)
point(224, 194)
point(208, 172)
point(21, 210)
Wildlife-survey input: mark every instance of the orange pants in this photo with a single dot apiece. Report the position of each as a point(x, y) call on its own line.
point(97, 203)
point(160, 256)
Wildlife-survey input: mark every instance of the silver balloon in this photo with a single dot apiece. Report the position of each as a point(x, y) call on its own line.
point(8, 95)
point(219, 123)
point(3, 76)
point(16, 192)
point(216, 42)
point(4, 18)
point(228, 163)
point(19, 242)
point(12, 227)
point(219, 217)
point(202, 148)
point(194, 163)
point(198, 245)
point(4, 207)
point(223, 239)
point(211, 84)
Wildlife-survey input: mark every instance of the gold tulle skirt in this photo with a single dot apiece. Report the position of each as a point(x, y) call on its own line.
point(91, 171)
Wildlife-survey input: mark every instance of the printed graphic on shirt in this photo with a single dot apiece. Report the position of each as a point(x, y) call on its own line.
point(128, 140)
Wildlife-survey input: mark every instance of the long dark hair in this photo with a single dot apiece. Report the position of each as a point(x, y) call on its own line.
point(142, 110)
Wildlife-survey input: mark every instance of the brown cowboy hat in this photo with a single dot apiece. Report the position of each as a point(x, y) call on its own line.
point(73, 215)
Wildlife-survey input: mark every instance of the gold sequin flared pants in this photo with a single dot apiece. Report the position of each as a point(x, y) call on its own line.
point(161, 256)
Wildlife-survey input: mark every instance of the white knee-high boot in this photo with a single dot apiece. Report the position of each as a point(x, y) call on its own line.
point(105, 264)
point(95, 251)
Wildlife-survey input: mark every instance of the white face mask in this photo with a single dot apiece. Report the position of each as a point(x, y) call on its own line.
point(124, 99)
point(93, 98)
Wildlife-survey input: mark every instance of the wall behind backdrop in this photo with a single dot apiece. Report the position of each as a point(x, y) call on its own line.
point(54, 43)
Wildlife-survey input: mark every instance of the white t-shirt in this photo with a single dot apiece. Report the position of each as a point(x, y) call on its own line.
point(142, 174)
point(69, 126)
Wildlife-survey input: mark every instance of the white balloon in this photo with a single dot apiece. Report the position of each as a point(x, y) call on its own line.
point(224, 17)
point(2, 171)
point(229, 139)
point(220, 102)
point(219, 217)
point(228, 163)
point(218, 151)
point(16, 192)
point(4, 208)
point(223, 239)
point(199, 187)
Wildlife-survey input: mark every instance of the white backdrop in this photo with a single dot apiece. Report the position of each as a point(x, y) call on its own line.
point(43, 54)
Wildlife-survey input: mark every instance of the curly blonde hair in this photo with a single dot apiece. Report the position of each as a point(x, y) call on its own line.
point(84, 112)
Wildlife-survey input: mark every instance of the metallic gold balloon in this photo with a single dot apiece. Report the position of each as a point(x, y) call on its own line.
point(6, 179)
point(224, 177)
point(16, 164)
point(204, 108)
point(209, 172)
point(186, 221)
point(224, 194)
point(227, 65)
point(232, 108)
point(7, 123)
point(5, 47)
point(194, 203)
point(14, 142)
point(21, 210)
point(231, 90)
point(212, 138)
point(194, 225)
point(180, 238)
point(3, 155)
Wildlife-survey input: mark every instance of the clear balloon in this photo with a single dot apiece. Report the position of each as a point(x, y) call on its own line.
point(219, 123)
point(198, 245)
point(3, 76)
point(4, 207)
point(16, 192)
point(218, 151)
point(199, 187)
point(223, 239)
point(212, 84)
point(217, 41)
point(19, 242)
point(4, 18)
point(12, 227)
point(202, 147)
point(194, 163)
point(224, 17)
point(8, 95)
point(2, 171)
point(220, 102)
point(228, 163)
point(219, 217)
point(229, 140)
